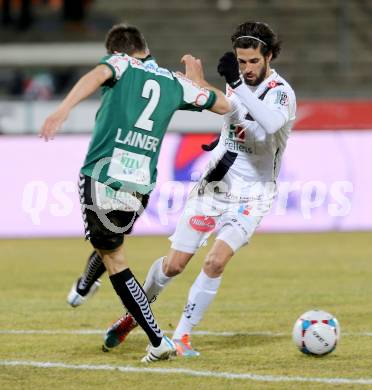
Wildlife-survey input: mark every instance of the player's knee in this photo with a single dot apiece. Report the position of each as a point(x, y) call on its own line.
point(172, 267)
point(214, 265)
point(114, 262)
point(107, 242)
point(175, 262)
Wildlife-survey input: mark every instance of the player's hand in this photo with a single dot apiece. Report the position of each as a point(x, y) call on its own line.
point(52, 124)
point(228, 67)
point(193, 68)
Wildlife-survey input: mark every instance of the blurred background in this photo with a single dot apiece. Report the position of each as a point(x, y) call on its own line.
point(46, 45)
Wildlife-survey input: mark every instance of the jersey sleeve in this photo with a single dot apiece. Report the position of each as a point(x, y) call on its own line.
point(272, 113)
point(195, 98)
point(278, 99)
point(118, 63)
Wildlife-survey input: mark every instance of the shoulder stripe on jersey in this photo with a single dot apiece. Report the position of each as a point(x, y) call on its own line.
point(262, 96)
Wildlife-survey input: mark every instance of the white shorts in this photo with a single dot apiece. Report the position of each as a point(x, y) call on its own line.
point(233, 219)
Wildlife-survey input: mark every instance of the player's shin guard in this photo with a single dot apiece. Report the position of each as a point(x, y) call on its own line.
point(135, 301)
point(156, 280)
point(93, 271)
point(201, 295)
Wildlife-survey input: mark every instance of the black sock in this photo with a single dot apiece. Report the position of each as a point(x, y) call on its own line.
point(93, 270)
point(135, 300)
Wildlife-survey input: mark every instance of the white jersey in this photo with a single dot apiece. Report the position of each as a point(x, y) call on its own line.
point(239, 185)
point(246, 152)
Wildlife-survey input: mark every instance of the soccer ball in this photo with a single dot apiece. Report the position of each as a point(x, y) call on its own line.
point(316, 332)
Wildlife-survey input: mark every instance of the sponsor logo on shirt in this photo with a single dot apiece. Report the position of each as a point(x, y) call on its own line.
point(235, 146)
point(237, 133)
point(202, 223)
point(153, 67)
point(129, 166)
point(150, 66)
point(235, 140)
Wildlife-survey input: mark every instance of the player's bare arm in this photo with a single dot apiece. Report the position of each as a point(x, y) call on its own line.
point(86, 86)
point(194, 71)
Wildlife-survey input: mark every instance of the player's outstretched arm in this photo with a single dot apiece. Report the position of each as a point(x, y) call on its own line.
point(85, 87)
point(194, 72)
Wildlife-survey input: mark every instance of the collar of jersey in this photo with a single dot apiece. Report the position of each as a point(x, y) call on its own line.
point(148, 58)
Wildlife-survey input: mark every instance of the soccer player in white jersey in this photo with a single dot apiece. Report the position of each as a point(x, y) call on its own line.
point(239, 185)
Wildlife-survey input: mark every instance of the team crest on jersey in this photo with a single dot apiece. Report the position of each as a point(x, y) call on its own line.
point(272, 84)
point(202, 223)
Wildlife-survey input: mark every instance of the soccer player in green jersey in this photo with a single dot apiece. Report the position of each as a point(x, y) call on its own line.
point(119, 172)
point(239, 184)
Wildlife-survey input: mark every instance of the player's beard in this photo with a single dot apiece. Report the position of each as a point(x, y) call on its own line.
point(258, 80)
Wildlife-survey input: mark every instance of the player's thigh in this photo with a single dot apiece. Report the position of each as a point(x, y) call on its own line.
point(236, 229)
point(193, 228)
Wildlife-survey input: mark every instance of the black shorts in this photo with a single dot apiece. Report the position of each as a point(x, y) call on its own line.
point(105, 228)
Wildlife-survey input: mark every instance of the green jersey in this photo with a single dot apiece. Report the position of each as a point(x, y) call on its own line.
point(137, 106)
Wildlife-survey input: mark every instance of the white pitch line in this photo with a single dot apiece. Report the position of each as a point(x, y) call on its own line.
point(100, 331)
point(137, 333)
point(52, 332)
point(188, 372)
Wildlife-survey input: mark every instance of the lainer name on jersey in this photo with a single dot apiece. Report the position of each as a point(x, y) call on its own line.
point(137, 140)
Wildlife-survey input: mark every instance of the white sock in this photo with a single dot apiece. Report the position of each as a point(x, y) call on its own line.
point(201, 295)
point(156, 280)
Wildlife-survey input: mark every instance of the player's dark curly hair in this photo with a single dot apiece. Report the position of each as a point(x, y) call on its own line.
point(125, 39)
point(258, 30)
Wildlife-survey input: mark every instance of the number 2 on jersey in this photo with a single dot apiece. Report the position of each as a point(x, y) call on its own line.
point(151, 90)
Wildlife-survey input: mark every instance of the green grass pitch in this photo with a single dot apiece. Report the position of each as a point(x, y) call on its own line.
point(266, 286)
